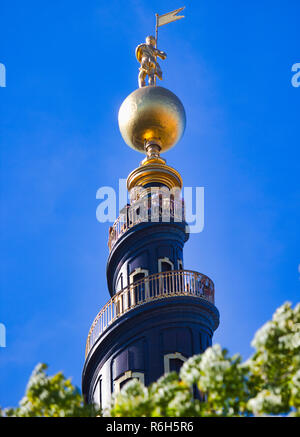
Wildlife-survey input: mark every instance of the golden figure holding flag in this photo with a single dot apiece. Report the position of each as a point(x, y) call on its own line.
point(147, 53)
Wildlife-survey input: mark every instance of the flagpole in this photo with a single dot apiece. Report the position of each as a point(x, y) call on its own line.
point(156, 36)
point(156, 30)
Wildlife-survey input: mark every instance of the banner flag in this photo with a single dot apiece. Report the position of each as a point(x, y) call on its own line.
point(169, 17)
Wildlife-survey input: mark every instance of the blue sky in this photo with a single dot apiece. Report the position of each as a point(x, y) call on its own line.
point(69, 66)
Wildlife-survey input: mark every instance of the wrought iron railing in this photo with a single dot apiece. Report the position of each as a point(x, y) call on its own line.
point(157, 286)
point(147, 209)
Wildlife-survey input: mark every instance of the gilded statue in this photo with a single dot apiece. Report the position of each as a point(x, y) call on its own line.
point(146, 54)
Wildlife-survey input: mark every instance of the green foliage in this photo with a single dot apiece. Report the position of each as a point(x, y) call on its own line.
point(266, 384)
point(172, 397)
point(132, 401)
point(275, 366)
point(50, 396)
point(168, 397)
point(221, 379)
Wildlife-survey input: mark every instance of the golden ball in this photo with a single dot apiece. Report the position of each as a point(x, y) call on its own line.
point(152, 113)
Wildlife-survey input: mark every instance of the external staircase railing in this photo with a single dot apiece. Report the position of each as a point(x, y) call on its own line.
point(158, 286)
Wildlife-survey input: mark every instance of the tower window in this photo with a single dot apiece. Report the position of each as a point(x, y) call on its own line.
point(138, 276)
point(140, 291)
point(173, 362)
point(127, 376)
point(97, 395)
point(120, 282)
point(166, 282)
point(165, 264)
point(179, 264)
point(100, 392)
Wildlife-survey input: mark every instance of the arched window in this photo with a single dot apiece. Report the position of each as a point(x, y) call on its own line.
point(97, 395)
point(139, 290)
point(165, 264)
point(166, 282)
point(119, 283)
point(173, 362)
point(119, 301)
point(127, 376)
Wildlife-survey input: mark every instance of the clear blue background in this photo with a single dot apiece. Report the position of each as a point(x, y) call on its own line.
point(70, 64)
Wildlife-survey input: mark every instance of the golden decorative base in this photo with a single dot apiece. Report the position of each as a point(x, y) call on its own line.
point(154, 170)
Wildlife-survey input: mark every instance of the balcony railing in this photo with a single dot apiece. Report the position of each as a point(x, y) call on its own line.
point(147, 209)
point(157, 286)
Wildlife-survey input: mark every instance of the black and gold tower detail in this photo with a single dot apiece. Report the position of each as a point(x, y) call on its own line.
point(159, 313)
